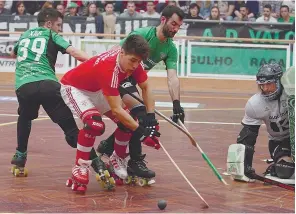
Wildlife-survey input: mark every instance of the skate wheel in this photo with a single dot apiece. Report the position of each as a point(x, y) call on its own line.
point(16, 172)
point(128, 180)
point(74, 186)
point(82, 189)
point(107, 174)
point(25, 172)
point(102, 185)
point(69, 182)
point(98, 177)
point(112, 181)
point(12, 169)
point(142, 182)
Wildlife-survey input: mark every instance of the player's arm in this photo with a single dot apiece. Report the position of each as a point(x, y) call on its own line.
point(117, 110)
point(174, 84)
point(77, 54)
point(65, 47)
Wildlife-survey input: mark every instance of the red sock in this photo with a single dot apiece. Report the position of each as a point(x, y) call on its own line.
point(84, 145)
point(121, 142)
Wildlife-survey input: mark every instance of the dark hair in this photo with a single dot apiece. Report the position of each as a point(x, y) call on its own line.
point(285, 6)
point(48, 14)
point(268, 6)
point(108, 2)
point(136, 45)
point(170, 10)
point(193, 5)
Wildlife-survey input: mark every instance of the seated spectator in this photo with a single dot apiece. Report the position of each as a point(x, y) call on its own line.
point(21, 10)
point(266, 15)
point(243, 14)
point(109, 17)
point(193, 12)
point(131, 11)
point(3, 11)
point(290, 4)
point(91, 12)
point(284, 15)
point(72, 7)
point(226, 9)
point(205, 7)
point(252, 7)
point(151, 13)
point(61, 9)
point(45, 5)
point(275, 7)
point(215, 14)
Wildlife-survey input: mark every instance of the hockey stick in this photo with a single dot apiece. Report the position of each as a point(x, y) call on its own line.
point(273, 182)
point(185, 131)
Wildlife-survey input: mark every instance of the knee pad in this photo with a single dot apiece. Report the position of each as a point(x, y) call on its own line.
point(284, 169)
point(93, 124)
point(72, 138)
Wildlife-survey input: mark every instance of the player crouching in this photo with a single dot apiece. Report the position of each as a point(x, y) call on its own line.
point(91, 90)
point(270, 106)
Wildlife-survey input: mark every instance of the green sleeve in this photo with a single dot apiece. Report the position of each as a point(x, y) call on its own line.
point(171, 60)
point(60, 42)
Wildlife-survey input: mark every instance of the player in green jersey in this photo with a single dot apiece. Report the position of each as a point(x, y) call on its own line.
point(162, 48)
point(36, 83)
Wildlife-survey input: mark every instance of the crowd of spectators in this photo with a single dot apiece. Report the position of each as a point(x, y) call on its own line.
point(106, 12)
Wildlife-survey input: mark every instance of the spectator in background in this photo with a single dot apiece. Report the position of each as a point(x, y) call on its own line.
point(205, 7)
point(91, 12)
point(266, 15)
point(47, 4)
point(3, 11)
point(193, 12)
point(31, 6)
point(21, 9)
point(131, 11)
point(72, 7)
point(243, 14)
point(252, 7)
point(226, 9)
point(284, 15)
point(215, 14)
point(275, 7)
point(151, 13)
point(61, 9)
point(109, 17)
point(290, 4)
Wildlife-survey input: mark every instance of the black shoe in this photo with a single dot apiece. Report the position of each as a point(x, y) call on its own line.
point(98, 165)
point(106, 147)
point(138, 167)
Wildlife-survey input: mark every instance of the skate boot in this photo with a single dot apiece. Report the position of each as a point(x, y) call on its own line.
point(118, 180)
point(80, 176)
point(138, 173)
point(102, 174)
point(119, 166)
point(106, 147)
point(19, 160)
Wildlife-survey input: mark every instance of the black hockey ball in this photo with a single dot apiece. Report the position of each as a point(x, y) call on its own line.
point(162, 204)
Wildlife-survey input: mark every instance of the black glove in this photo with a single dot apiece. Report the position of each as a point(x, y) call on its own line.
point(142, 133)
point(148, 120)
point(178, 112)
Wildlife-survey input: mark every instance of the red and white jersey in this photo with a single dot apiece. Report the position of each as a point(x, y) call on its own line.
point(101, 72)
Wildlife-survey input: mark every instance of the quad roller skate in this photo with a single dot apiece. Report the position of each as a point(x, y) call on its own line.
point(102, 174)
point(80, 176)
point(138, 173)
point(118, 180)
point(19, 160)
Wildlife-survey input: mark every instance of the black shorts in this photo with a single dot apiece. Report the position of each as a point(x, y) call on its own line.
point(278, 149)
point(130, 85)
point(46, 93)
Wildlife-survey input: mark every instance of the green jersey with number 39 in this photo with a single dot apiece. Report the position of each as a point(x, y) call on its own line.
point(159, 51)
point(36, 53)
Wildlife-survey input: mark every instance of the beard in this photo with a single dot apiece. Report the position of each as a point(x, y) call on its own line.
point(167, 33)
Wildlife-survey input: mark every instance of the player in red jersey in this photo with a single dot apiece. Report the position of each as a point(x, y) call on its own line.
point(91, 90)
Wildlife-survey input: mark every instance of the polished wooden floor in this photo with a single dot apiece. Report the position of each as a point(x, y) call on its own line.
point(214, 125)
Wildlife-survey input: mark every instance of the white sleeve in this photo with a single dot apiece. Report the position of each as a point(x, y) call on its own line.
point(250, 117)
